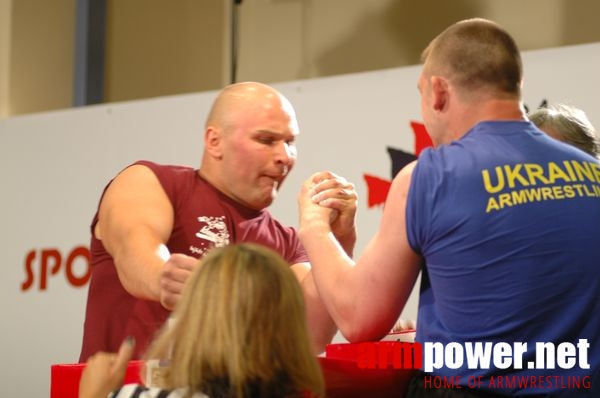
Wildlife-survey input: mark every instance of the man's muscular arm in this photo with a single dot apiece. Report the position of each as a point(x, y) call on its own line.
point(134, 223)
point(339, 195)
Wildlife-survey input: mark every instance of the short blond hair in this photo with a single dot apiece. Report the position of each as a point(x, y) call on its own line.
point(476, 54)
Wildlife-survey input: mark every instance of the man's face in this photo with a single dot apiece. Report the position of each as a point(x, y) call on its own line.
point(258, 153)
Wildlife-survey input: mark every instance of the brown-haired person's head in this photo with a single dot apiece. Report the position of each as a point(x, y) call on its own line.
point(240, 329)
point(472, 72)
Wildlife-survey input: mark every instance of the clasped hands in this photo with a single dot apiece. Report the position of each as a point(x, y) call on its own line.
point(328, 199)
point(324, 197)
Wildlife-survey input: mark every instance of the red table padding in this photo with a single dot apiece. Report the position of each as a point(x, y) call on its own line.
point(343, 377)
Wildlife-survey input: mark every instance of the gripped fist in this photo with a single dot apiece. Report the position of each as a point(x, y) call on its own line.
point(338, 194)
point(310, 210)
point(174, 274)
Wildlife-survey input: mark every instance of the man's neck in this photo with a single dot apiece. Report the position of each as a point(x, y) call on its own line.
point(489, 110)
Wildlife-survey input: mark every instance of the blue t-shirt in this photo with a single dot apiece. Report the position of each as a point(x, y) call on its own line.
point(507, 220)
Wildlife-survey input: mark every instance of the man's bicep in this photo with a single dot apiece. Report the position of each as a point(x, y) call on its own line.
point(134, 203)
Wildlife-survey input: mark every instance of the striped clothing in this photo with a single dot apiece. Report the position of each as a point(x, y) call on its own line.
point(139, 391)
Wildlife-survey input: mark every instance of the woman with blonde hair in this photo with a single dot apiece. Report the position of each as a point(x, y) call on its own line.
point(239, 331)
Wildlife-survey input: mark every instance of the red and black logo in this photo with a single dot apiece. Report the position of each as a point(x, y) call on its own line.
point(377, 187)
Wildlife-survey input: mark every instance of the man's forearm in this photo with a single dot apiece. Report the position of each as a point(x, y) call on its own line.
point(320, 324)
point(140, 275)
point(348, 242)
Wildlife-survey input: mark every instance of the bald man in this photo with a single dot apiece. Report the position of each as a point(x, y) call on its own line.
point(154, 221)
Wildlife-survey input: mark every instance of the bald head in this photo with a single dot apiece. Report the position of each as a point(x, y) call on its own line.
point(237, 100)
point(249, 143)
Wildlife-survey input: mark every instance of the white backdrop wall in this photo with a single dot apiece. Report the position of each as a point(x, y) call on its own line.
point(55, 165)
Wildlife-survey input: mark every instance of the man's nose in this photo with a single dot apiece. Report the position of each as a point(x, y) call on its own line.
point(286, 153)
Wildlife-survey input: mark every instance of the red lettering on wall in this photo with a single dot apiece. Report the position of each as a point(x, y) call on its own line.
point(29, 271)
point(51, 263)
point(73, 279)
point(49, 256)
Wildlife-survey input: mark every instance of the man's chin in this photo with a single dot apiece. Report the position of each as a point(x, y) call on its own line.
point(264, 202)
point(268, 202)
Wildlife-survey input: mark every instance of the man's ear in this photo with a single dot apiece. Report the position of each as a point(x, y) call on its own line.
point(213, 141)
point(439, 89)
